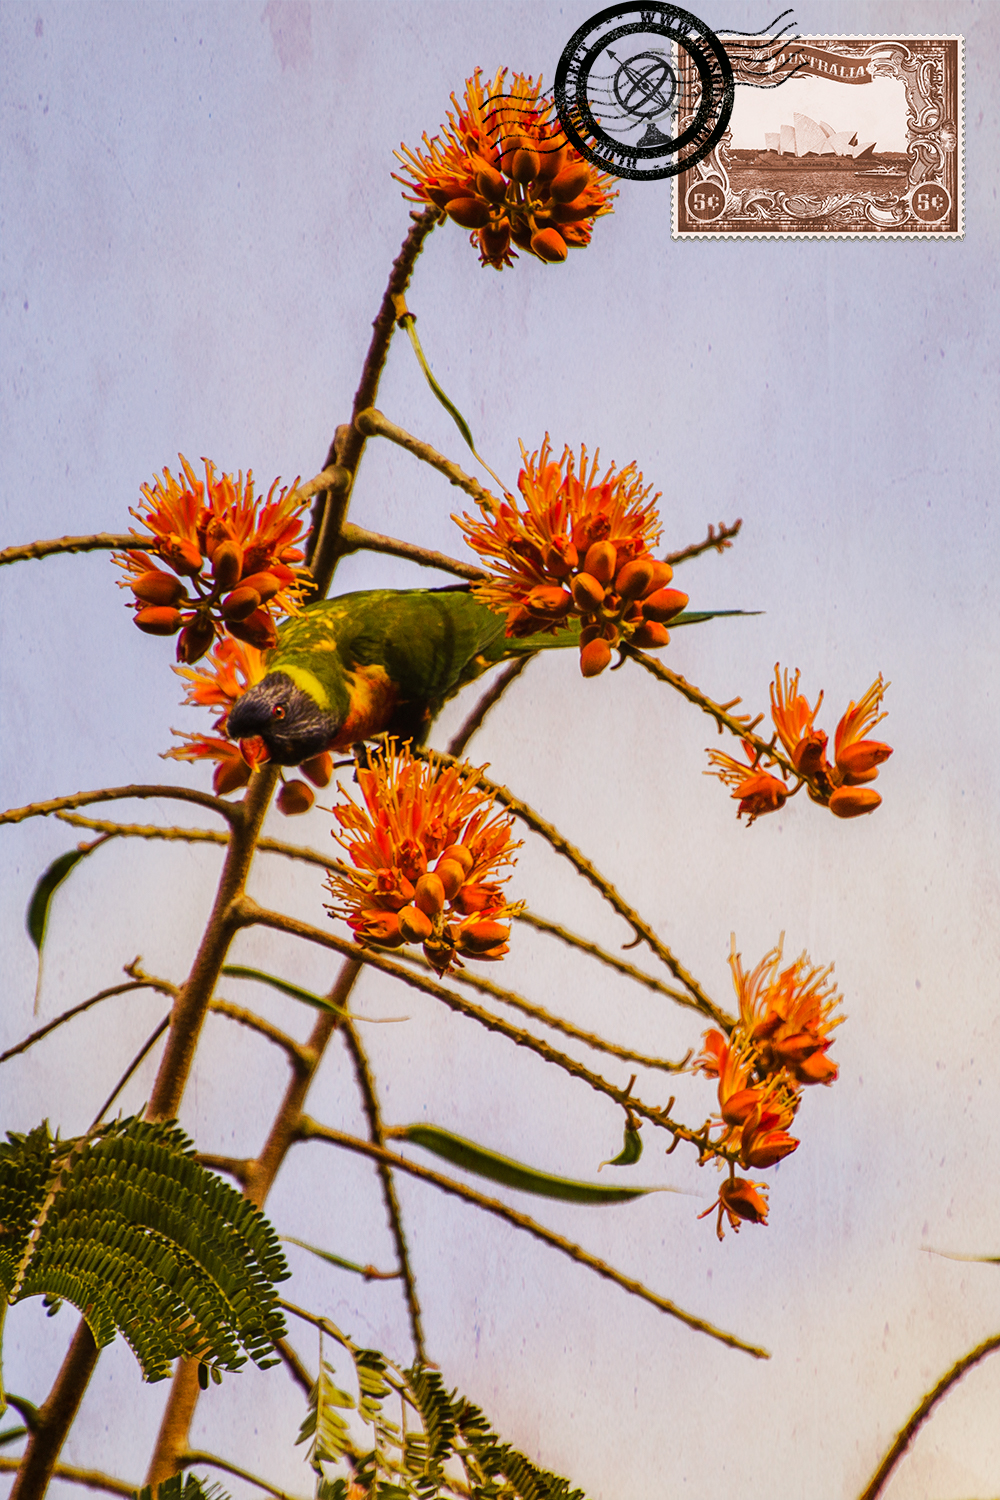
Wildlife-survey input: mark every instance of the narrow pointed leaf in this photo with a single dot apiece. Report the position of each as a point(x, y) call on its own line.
point(41, 897)
point(409, 323)
point(327, 1255)
point(484, 1163)
point(294, 991)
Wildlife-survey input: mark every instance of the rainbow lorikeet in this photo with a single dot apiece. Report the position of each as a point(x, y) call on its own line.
point(379, 662)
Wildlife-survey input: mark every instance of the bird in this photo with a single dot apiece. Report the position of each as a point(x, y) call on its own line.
point(381, 661)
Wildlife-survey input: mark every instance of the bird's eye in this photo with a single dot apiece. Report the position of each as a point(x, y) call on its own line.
point(278, 711)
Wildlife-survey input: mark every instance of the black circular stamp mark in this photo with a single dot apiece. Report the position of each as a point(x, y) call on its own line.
point(643, 87)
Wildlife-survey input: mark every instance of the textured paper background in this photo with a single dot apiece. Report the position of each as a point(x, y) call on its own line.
point(198, 221)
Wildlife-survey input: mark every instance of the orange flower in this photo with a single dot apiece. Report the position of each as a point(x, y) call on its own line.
point(233, 551)
point(427, 846)
point(858, 758)
point(234, 762)
point(741, 1202)
point(232, 667)
point(505, 171)
point(578, 549)
point(756, 790)
point(787, 1014)
point(793, 719)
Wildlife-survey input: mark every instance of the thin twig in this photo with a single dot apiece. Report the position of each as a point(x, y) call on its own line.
point(249, 914)
point(202, 836)
point(366, 1084)
point(907, 1433)
point(92, 1478)
point(192, 1456)
point(373, 424)
point(557, 1023)
point(76, 1010)
point(492, 696)
point(238, 1167)
point(311, 1130)
point(357, 539)
point(699, 1000)
point(719, 540)
point(294, 1366)
point(146, 1047)
point(573, 940)
point(231, 811)
point(299, 1053)
point(330, 508)
point(100, 541)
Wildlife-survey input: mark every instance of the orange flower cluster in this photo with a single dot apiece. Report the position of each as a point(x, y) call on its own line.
point(779, 1046)
point(505, 170)
point(235, 553)
point(580, 549)
point(427, 846)
point(841, 787)
point(233, 666)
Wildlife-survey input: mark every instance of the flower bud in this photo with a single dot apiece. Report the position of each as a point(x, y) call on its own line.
point(524, 166)
point(662, 574)
point(550, 163)
point(570, 182)
point(763, 1148)
point(570, 213)
point(861, 760)
point(851, 801)
point(429, 894)
point(664, 604)
point(740, 1197)
point(267, 584)
point(480, 937)
point(227, 565)
point(819, 1068)
point(460, 854)
point(451, 876)
point(294, 797)
point(809, 755)
point(212, 533)
point(561, 558)
point(159, 620)
point(380, 928)
point(588, 593)
point(594, 657)
point(549, 245)
point(257, 631)
point(472, 898)
point(195, 639)
point(415, 925)
point(650, 636)
point(495, 241)
point(240, 604)
point(181, 555)
point(760, 793)
point(230, 775)
point(289, 556)
point(157, 587)
point(491, 185)
point(737, 1108)
point(318, 768)
point(511, 148)
point(471, 213)
point(601, 562)
point(634, 578)
point(550, 601)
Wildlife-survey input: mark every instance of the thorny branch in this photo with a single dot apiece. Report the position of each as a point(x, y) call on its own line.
point(719, 540)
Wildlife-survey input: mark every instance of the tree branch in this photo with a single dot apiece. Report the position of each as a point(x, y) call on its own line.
point(76, 1010)
point(191, 1457)
point(231, 811)
point(373, 424)
point(311, 1130)
point(492, 696)
point(357, 539)
point(366, 1084)
point(907, 1433)
point(92, 1478)
point(699, 1000)
point(330, 509)
point(100, 541)
point(720, 540)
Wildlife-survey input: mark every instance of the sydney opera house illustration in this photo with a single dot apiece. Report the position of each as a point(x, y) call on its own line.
point(814, 146)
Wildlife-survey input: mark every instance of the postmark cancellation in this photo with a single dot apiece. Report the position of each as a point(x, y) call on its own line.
point(858, 137)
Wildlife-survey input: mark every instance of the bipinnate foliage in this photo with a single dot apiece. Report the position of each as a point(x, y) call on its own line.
point(125, 1224)
point(417, 1462)
point(184, 1487)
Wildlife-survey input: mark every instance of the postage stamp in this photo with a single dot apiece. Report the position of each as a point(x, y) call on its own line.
point(855, 137)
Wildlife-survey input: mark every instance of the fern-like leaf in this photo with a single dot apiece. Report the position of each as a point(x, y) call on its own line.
point(124, 1224)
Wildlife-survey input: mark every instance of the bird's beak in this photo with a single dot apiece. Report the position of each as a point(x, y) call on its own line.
point(254, 752)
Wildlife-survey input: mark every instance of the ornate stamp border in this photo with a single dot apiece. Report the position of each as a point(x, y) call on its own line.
point(726, 198)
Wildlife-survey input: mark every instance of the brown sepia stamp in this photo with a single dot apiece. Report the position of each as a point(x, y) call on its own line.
point(863, 139)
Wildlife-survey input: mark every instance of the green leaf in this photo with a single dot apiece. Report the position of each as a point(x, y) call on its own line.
point(41, 897)
point(698, 616)
point(327, 1255)
point(183, 1487)
point(294, 991)
point(409, 323)
point(630, 1152)
point(125, 1224)
point(489, 1164)
point(323, 1422)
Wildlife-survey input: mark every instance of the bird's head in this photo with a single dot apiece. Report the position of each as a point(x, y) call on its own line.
point(288, 720)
